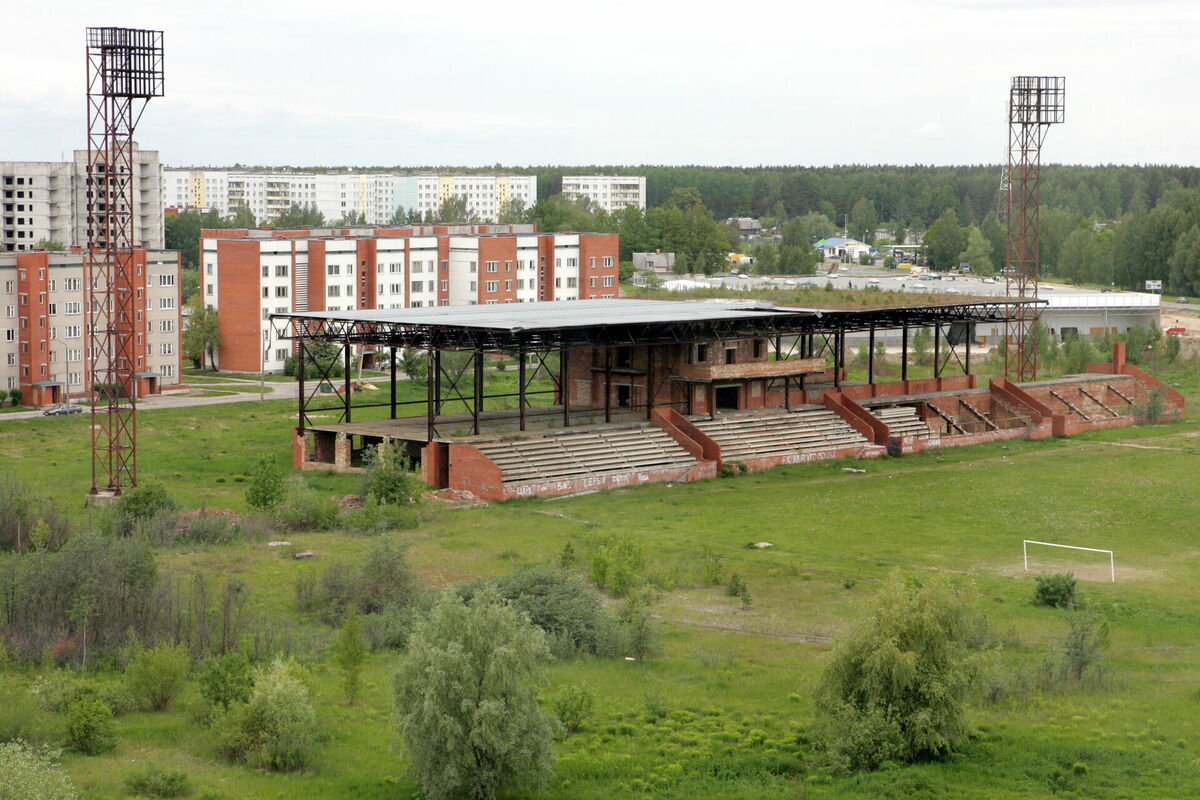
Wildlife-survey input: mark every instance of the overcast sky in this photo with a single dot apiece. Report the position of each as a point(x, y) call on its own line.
point(618, 81)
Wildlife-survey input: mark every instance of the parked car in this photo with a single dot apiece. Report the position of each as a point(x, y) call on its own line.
point(1176, 331)
point(62, 408)
point(1183, 300)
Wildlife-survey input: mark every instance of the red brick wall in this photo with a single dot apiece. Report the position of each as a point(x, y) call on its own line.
point(597, 247)
point(239, 298)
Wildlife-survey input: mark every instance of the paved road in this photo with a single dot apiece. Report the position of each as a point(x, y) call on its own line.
point(274, 391)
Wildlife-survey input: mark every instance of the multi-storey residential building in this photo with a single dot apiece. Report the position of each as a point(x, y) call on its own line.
point(247, 275)
point(49, 200)
point(609, 192)
point(44, 347)
point(372, 197)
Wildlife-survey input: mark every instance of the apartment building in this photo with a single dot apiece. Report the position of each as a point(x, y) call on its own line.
point(373, 197)
point(44, 347)
point(609, 192)
point(49, 200)
point(247, 275)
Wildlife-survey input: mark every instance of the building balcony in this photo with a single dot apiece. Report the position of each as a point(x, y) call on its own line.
point(750, 370)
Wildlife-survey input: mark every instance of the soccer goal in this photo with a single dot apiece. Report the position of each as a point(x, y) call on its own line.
point(1112, 563)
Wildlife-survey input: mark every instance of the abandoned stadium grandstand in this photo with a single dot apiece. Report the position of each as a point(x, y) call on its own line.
point(613, 393)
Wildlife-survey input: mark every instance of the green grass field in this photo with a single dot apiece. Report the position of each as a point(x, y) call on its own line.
point(736, 683)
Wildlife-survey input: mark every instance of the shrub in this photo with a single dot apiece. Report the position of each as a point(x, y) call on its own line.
point(466, 700)
point(389, 477)
point(267, 487)
point(21, 717)
point(384, 578)
point(156, 675)
point(304, 510)
point(640, 630)
point(906, 668)
point(1056, 591)
point(29, 773)
point(140, 504)
point(390, 628)
point(349, 653)
point(617, 566)
point(375, 517)
point(735, 585)
point(276, 729)
point(1087, 636)
point(571, 613)
point(56, 689)
point(154, 781)
point(857, 740)
point(327, 596)
point(225, 680)
point(90, 727)
point(573, 706)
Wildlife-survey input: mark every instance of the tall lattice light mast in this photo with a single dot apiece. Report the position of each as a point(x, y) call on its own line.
point(1034, 104)
point(124, 70)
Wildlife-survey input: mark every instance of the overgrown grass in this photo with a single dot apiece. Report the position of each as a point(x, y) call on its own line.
point(724, 711)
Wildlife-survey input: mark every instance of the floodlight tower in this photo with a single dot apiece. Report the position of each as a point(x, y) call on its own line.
point(1034, 104)
point(124, 70)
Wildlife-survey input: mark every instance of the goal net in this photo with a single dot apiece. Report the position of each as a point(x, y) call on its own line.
point(1043, 558)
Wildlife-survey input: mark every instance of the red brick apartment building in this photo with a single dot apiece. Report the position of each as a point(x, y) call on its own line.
point(249, 274)
point(44, 323)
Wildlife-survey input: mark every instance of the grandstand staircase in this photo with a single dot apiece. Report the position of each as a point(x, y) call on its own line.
point(903, 421)
point(804, 430)
point(582, 453)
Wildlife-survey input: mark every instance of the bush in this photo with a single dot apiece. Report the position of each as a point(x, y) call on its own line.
point(267, 487)
point(571, 613)
point(276, 729)
point(384, 579)
point(857, 740)
point(29, 773)
point(304, 510)
point(154, 781)
point(374, 517)
point(156, 675)
point(907, 668)
point(349, 653)
point(573, 706)
point(225, 681)
point(617, 566)
point(140, 504)
point(466, 700)
point(90, 727)
point(389, 478)
point(1056, 591)
point(1087, 636)
point(638, 627)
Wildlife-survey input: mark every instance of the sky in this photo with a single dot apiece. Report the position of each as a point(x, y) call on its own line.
point(618, 82)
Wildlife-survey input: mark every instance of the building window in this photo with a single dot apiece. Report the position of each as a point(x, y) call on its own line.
point(701, 354)
point(281, 291)
point(758, 348)
point(572, 283)
point(266, 271)
point(416, 286)
point(608, 261)
point(333, 269)
point(73, 331)
point(608, 281)
point(492, 266)
point(281, 354)
point(166, 349)
point(490, 286)
point(333, 291)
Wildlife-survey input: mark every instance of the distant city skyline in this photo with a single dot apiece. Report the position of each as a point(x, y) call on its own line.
point(620, 83)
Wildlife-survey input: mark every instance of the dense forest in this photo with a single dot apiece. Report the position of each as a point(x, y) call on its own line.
point(1117, 225)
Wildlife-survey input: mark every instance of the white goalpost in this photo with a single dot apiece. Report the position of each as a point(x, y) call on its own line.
point(1112, 563)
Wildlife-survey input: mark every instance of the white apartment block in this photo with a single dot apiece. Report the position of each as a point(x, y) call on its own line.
point(48, 200)
point(374, 197)
point(611, 193)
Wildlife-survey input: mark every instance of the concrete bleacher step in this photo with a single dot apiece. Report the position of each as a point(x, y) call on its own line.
point(571, 455)
point(903, 421)
point(806, 430)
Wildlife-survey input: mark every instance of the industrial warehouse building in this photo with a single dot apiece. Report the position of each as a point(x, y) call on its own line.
point(249, 274)
point(44, 351)
point(621, 392)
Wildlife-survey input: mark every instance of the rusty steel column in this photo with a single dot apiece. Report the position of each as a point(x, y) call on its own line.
point(607, 383)
point(301, 367)
point(564, 381)
point(871, 356)
point(904, 353)
point(432, 393)
point(937, 350)
point(393, 371)
point(521, 384)
point(346, 377)
point(477, 397)
point(649, 381)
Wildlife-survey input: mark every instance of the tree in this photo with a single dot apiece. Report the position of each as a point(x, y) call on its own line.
point(414, 363)
point(466, 700)
point(944, 241)
point(349, 653)
point(202, 334)
point(901, 678)
point(267, 487)
point(1184, 276)
point(243, 217)
point(29, 773)
point(297, 216)
point(511, 211)
point(455, 209)
point(156, 675)
point(863, 220)
point(352, 218)
point(993, 231)
point(49, 244)
point(978, 253)
point(276, 729)
point(182, 233)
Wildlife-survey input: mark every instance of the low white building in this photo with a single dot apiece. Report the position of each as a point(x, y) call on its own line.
point(611, 193)
point(1066, 315)
point(842, 249)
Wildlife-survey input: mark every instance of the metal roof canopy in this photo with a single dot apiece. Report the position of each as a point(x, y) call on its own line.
point(611, 321)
